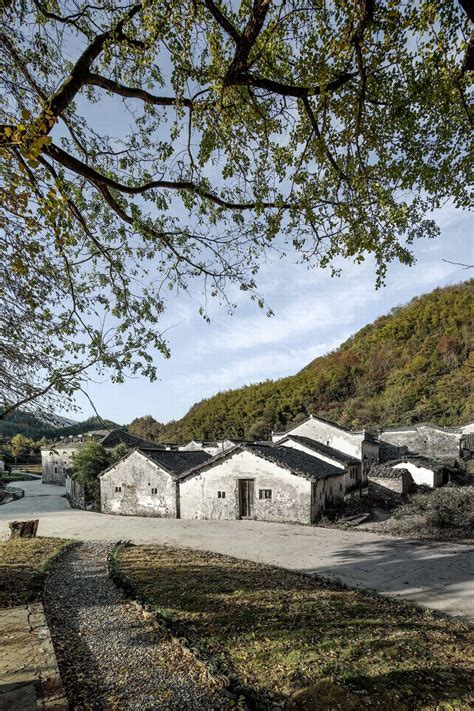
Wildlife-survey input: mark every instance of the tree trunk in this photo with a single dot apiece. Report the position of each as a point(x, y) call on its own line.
point(23, 529)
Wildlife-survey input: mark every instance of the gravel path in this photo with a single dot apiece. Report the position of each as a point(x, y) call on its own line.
point(109, 657)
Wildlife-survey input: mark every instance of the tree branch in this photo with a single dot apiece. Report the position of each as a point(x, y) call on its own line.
point(80, 168)
point(135, 93)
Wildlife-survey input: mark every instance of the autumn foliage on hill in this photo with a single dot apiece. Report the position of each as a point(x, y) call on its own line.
point(413, 365)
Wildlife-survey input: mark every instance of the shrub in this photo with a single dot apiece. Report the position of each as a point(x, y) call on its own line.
point(448, 509)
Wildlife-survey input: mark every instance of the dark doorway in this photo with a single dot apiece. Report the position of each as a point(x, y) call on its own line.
point(246, 498)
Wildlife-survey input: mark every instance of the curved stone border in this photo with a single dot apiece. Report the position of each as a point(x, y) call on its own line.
point(151, 615)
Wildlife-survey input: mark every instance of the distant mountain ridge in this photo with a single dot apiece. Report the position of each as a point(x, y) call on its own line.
point(53, 427)
point(414, 364)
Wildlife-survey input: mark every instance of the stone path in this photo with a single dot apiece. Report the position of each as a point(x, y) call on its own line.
point(109, 657)
point(436, 575)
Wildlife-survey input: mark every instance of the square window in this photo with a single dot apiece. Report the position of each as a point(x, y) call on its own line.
point(265, 494)
point(221, 494)
point(154, 491)
point(118, 489)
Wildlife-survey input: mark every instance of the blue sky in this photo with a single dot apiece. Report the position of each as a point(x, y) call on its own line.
point(314, 313)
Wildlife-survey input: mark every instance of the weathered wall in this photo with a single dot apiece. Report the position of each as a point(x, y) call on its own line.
point(137, 476)
point(428, 441)
point(291, 495)
point(75, 493)
point(56, 464)
point(401, 484)
point(325, 493)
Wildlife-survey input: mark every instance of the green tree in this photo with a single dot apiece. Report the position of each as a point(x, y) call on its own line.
point(329, 129)
point(20, 446)
point(146, 427)
point(87, 463)
point(118, 452)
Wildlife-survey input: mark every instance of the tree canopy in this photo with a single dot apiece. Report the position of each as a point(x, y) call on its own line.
point(145, 146)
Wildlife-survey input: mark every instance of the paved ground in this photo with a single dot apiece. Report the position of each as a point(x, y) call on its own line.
point(29, 675)
point(439, 576)
point(109, 656)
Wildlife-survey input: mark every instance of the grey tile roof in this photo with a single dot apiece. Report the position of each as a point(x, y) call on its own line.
point(294, 460)
point(176, 462)
point(322, 449)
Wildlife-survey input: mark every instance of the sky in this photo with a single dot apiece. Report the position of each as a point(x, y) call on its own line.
point(313, 314)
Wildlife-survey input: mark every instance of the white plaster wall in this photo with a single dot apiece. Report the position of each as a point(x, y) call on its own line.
point(468, 429)
point(421, 475)
point(137, 476)
point(328, 434)
point(291, 494)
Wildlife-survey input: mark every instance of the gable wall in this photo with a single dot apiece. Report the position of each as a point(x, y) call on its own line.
point(291, 494)
point(136, 476)
point(325, 433)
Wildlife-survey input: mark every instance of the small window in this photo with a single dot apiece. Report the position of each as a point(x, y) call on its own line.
point(265, 494)
point(55, 470)
point(327, 442)
point(154, 491)
point(221, 494)
point(118, 489)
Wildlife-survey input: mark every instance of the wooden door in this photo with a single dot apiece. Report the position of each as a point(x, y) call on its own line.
point(246, 498)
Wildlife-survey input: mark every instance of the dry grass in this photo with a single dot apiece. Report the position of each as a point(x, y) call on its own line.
point(282, 636)
point(22, 565)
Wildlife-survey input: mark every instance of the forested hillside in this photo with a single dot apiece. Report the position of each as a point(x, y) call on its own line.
point(30, 426)
point(415, 364)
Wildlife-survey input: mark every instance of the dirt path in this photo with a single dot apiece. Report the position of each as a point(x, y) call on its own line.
point(109, 657)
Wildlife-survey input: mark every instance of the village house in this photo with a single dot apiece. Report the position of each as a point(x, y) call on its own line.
point(263, 482)
point(389, 482)
point(434, 441)
point(424, 471)
point(144, 482)
point(56, 458)
point(212, 447)
point(352, 467)
point(361, 444)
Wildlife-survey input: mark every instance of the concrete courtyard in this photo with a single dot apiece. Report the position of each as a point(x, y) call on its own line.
point(435, 575)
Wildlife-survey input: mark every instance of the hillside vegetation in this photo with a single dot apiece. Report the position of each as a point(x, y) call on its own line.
point(413, 365)
point(26, 424)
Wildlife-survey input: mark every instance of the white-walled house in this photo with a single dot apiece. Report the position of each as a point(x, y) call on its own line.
point(361, 444)
point(424, 472)
point(212, 447)
point(144, 482)
point(354, 478)
point(260, 482)
point(56, 458)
